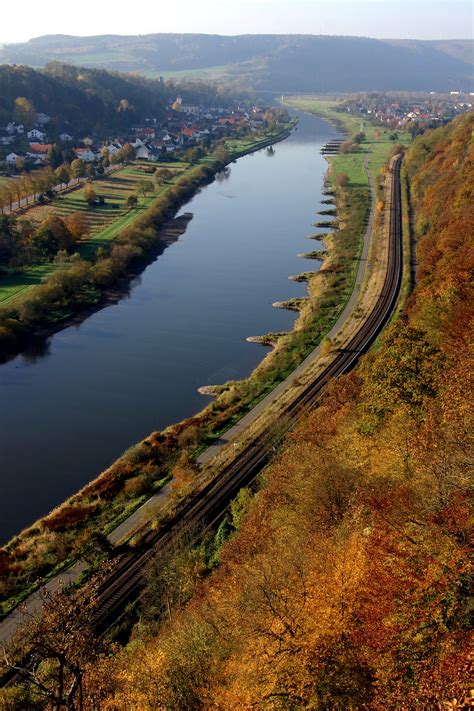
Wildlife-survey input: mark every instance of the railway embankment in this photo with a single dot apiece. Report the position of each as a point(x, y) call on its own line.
point(162, 447)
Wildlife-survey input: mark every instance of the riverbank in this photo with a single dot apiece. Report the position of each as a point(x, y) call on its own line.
point(182, 474)
point(36, 557)
point(100, 505)
point(72, 292)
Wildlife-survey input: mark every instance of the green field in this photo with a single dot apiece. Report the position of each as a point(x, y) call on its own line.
point(104, 221)
point(377, 145)
point(204, 73)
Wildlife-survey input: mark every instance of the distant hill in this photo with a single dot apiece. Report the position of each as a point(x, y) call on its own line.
point(93, 100)
point(305, 63)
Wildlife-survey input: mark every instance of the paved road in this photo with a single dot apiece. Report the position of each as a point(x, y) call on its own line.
point(33, 603)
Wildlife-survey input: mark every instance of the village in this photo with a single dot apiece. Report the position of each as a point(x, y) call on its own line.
point(411, 111)
point(185, 127)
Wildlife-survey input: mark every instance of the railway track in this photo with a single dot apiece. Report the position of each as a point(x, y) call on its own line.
point(125, 581)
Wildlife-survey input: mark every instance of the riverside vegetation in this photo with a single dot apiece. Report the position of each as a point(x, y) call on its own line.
point(83, 282)
point(53, 542)
point(107, 243)
point(345, 580)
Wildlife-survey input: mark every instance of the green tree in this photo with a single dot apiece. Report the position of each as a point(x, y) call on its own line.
point(132, 201)
point(240, 506)
point(8, 237)
point(145, 187)
point(163, 175)
point(55, 156)
point(359, 137)
point(222, 155)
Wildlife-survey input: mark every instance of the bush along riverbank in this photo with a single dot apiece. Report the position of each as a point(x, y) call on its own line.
point(79, 526)
point(84, 285)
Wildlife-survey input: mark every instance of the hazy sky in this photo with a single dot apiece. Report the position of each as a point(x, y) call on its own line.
point(421, 19)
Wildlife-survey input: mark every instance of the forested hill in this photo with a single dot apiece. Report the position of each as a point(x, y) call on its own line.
point(282, 63)
point(345, 582)
point(93, 99)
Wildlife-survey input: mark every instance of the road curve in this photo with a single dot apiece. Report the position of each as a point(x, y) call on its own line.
point(125, 581)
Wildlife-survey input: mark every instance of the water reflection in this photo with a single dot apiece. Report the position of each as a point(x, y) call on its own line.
point(223, 174)
point(37, 349)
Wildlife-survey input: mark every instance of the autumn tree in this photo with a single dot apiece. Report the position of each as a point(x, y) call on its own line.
point(127, 153)
point(77, 168)
point(62, 174)
point(52, 236)
point(53, 651)
point(77, 225)
point(24, 112)
point(342, 180)
point(171, 578)
point(347, 146)
point(90, 195)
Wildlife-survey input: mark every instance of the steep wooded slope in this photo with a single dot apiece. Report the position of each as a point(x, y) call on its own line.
point(346, 585)
point(288, 63)
point(345, 582)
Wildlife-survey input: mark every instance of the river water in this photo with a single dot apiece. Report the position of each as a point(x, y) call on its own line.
point(135, 366)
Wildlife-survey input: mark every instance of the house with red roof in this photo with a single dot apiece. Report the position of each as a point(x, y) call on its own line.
point(85, 154)
point(40, 149)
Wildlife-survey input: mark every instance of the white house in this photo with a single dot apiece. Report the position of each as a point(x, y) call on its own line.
point(6, 139)
point(143, 152)
point(65, 137)
point(36, 134)
point(147, 153)
point(113, 148)
point(13, 127)
point(37, 159)
point(13, 157)
point(190, 110)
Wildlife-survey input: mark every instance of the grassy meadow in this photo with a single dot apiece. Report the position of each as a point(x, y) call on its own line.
point(104, 222)
point(377, 145)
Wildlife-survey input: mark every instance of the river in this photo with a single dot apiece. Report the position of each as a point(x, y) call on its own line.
point(95, 389)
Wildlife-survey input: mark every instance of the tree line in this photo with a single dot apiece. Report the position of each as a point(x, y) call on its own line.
point(39, 184)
